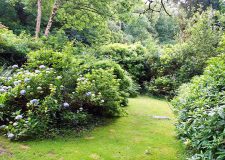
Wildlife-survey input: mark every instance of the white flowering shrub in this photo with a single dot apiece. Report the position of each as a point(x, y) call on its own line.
point(200, 108)
point(37, 99)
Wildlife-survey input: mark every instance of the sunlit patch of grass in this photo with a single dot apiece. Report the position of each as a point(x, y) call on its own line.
point(136, 136)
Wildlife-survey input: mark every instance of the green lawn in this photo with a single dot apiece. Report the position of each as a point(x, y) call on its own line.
point(135, 137)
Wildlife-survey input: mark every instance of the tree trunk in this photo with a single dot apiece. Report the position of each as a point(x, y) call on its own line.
point(50, 21)
point(38, 24)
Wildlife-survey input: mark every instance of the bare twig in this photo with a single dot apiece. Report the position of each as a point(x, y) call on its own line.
point(152, 8)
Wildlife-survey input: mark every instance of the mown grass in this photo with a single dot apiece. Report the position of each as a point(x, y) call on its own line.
point(135, 137)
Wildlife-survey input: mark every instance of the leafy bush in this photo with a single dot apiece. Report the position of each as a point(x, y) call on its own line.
point(56, 41)
point(55, 90)
point(51, 58)
point(14, 48)
point(82, 65)
point(161, 86)
point(99, 92)
point(127, 85)
point(33, 102)
point(71, 66)
point(131, 57)
point(200, 111)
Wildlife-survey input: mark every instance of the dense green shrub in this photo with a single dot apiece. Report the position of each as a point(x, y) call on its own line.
point(82, 64)
point(55, 90)
point(131, 57)
point(162, 86)
point(32, 103)
point(51, 58)
point(200, 111)
point(69, 66)
point(56, 41)
point(98, 92)
point(128, 87)
point(14, 48)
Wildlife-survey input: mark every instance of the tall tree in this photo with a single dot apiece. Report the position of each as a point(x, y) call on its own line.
point(38, 23)
point(50, 21)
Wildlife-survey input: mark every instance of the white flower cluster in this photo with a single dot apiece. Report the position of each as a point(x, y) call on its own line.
point(81, 109)
point(4, 88)
point(18, 117)
point(59, 77)
point(88, 94)
point(23, 92)
point(66, 105)
point(10, 135)
point(34, 102)
point(42, 66)
point(82, 79)
point(17, 82)
point(37, 71)
point(27, 80)
point(15, 66)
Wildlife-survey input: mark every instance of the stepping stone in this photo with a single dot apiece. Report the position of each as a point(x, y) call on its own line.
point(89, 138)
point(161, 117)
point(147, 152)
point(24, 147)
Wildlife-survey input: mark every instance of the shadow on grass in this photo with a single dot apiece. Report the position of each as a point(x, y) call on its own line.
point(74, 132)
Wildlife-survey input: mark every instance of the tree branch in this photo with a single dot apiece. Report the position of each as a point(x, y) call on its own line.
point(152, 9)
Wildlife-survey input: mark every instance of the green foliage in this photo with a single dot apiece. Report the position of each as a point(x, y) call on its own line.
point(56, 41)
point(33, 103)
point(167, 28)
point(130, 57)
point(204, 35)
point(180, 62)
point(200, 111)
point(14, 48)
point(138, 28)
point(82, 64)
point(128, 87)
point(50, 58)
point(135, 29)
point(81, 20)
point(161, 86)
point(70, 65)
point(20, 15)
point(191, 7)
point(98, 92)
